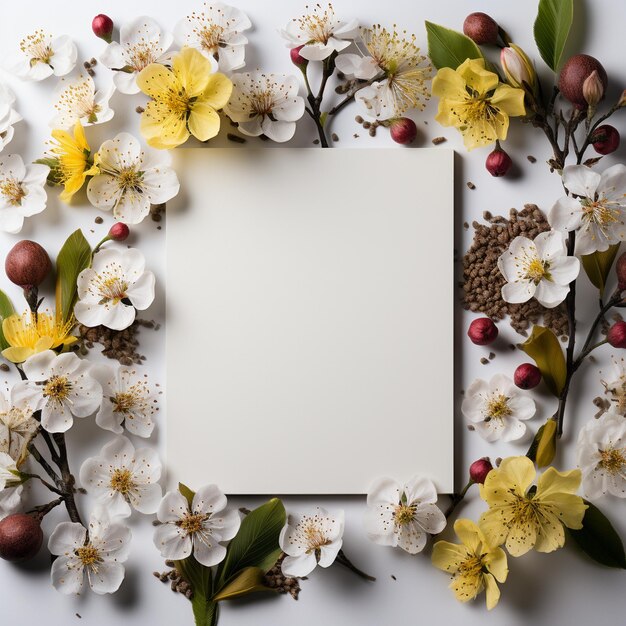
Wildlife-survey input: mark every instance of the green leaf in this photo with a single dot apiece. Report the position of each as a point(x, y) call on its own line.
point(449, 48)
point(598, 265)
point(200, 578)
point(599, 540)
point(256, 543)
point(546, 444)
point(249, 580)
point(6, 310)
point(75, 256)
point(545, 349)
point(188, 493)
point(551, 29)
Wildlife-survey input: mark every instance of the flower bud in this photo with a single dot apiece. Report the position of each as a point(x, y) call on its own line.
point(617, 335)
point(574, 84)
point(403, 130)
point(498, 162)
point(119, 231)
point(296, 59)
point(102, 26)
point(518, 68)
point(479, 469)
point(481, 28)
point(620, 270)
point(605, 139)
point(482, 331)
point(27, 264)
point(20, 537)
point(527, 376)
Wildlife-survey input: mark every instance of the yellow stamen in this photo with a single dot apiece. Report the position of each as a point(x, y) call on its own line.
point(89, 555)
point(122, 481)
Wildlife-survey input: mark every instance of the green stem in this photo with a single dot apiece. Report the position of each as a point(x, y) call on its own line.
point(457, 498)
point(342, 559)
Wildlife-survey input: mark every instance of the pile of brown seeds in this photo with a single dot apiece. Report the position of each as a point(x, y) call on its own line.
point(275, 579)
point(482, 280)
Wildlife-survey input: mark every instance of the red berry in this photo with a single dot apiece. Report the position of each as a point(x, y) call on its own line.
point(617, 335)
point(498, 162)
point(482, 331)
point(296, 59)
point(20, 537)
point(479, 469)
point(481, 28)
point(605, 139)
point(27, 264)
point(119, 231)
point(403, 130)
point(574, 74)
point(527, 376)
point(102, 26)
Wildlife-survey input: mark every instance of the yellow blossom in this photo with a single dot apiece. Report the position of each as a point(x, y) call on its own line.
point(184, 101)
point(473, 100)
point(474, 564)
point(72, 157)
point(525, 517)
point(29, 334)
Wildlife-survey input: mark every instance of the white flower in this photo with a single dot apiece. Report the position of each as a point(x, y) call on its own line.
point(11, 485)
point(403, 516)
point(401, 70)
point(112, 288)
point(615, 388)
point(8, 116)
point(122, 476)
point(17, 427)
point(598, 213)
point(310, 540)
point(497, 409)
point(320, 33)
point(141, 42)
point(265, 104)
point(131, 179)
point(201, 527)
point(99, 554)
point(216, 31)
point(22, 192)
point(78, 100)
point(601, 456)
point(128, 401)
point(41, 56)
point(61, 387)
point(539, 268)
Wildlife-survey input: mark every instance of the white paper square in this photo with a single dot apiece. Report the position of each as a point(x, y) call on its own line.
point(310, 319)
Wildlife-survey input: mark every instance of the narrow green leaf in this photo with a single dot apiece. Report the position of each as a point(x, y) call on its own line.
point(188, 493)
point(552, 26)
point(545, 349)
point(599, 540)
point(249, 580)
point(598, 265)
point(6, 310)
point(256, 543)
point(449, 48)
point(74, 257)
point(200, 578)
point(546, 444)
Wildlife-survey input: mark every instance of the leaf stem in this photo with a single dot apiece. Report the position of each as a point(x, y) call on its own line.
point(342, 559)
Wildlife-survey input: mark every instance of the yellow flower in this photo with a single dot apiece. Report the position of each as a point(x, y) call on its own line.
point(72, 160)
point(526, 517)
point(474, 564)
point(28, 334)
point(184, 101)
point(473, 100)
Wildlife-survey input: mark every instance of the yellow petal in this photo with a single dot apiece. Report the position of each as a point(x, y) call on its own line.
point(492, 593)
point(204, 122)
point(552, 481)
point(43, 344)
point(156, 80)
point(550, 535)
point(468, 533)
point(516, 471)
point(509, 100)
point(495, 561)
point(217, 92)
point(79, 136)
point(501, 125)
point(448, 84)
point(467, 587)
point(448, 556)
point(521, 538)
point(568, 507)
point(193, 71)
point(161, 128)
point(17, 355)
point(492, 526)
point(479, 134)
point(477, 77)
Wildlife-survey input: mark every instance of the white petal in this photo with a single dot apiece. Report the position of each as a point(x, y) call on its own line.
point(67, 575)
point(209, 499)
point(172, 542)
point(66, 537)
point(566, 214)
point(383, 491)
point(581, 180)
point(519, 291)
point(173, 506)
point(420, 489)
point(106, 577)
point(298, 566)
point(141, 292)
point(207, 551)
point(550, 294)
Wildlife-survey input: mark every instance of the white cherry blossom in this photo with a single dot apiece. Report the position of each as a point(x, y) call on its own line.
point(11, 485)
point(78, 100)
point(8, 116)
point(17, 427)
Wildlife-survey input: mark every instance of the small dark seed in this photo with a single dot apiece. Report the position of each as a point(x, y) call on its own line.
point(98, 220)
point(437, 140)
point(471, 185)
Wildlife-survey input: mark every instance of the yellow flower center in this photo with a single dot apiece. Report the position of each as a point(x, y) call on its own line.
point(123, 402)
point(600, 212)
point(89, 555)
point(471, 567)
point(318, 26)
point(78, 98)
point(129, 179)
point(111, 289)
point(178, 102)
point(536, 269)
point(612, 460)
point(192, 522)
point(314, 537)
point(141, 55)
point(37, 47)
point(122, 481)
point(404, 514)
point(57, 388)
point(498, 407)
point(210, 36)
point(12, 190)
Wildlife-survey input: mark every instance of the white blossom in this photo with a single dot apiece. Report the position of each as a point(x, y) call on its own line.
point(17, 427)
point(78, 100)
point(11, 485)
point(8, 116)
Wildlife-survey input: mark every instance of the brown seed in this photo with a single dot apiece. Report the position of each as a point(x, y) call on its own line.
point(334, 137)
point(139, 109)
point(235, 138)
point(531, 158)
point(437, 140)
point(98, 220)
point(471, 185)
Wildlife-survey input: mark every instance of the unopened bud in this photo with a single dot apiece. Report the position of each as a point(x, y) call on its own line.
point(119, 231)
point(403, 130)
point(576, 83)
point(482, 331)
point(479, 469)
point(297, 59)
point(617, 335)
point(527, 376)
point(518, 68)
point(605, 139)
point(593, 89)
point(27, 264)
point(481, 28)
point(498, 162)
point(102, 26)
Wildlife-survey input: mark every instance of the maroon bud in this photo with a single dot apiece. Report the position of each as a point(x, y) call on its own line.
point(620, 270)
point(498, 162)
point(479, 469)
point(403, 130)
point(20, 537)
point(481, 28)
point(119, 231)
point(605, 139)
point(27, 264)
point(482, 331)
point(573, 76)
point(527, 376)
point(617, 335)
point(296, 59)
point(102, 26)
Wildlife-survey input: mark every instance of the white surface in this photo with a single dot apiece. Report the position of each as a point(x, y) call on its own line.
point(561, 589)
point(313, 320)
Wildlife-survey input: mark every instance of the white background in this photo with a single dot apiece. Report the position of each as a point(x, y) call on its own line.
point(561, 588)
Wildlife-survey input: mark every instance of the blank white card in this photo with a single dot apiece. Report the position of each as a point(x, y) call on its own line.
point(310, 319)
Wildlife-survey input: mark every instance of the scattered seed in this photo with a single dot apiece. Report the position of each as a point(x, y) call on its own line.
point(90, 72)
point(484, 361)
point(437, 140)
point(367, 125)
point(372, 131)
point(4, 367)
point(470, 185)
point(98, 220)
point(356, 135)
point(235, 138)
point(316, 141)
point(86, 65)
point(334, 137)
point(531, 158)
point(79, 616)
point(492, 356)
point(470, 427)
point(393, 577)
point(358, 119)
point(139, 109)
point(93, 61)
point(465, 225)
